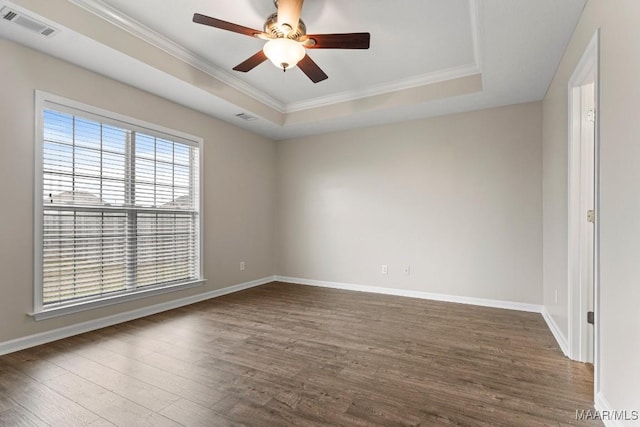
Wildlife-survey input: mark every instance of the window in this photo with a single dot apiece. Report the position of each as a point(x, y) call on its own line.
point(117, 208)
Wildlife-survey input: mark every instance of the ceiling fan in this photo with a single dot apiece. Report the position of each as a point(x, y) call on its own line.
point(287, 39)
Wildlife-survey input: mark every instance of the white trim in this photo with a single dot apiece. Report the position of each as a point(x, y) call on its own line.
point(602, 405)
point(596, 231)
point(409, 83)
point(509, 305)
point(137, 29)
point(476, 28)
point(398, 85)
point(561, 339)
point(201, 208)
point(91, 325)
point(113, 118)
point(90, 304)
point(38, 211)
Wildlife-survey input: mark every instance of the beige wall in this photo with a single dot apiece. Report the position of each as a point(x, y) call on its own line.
point(239, 184)
point(457, 198)
point(620, 198)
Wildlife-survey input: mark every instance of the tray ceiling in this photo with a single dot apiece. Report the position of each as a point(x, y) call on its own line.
point(427, 57)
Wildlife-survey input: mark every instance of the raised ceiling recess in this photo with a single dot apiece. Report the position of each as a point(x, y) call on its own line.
point(426, 58)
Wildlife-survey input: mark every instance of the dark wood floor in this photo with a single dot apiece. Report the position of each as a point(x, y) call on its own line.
point(285, 354)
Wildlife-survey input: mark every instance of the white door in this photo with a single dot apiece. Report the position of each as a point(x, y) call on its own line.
point(587, 184)
point(582, 219)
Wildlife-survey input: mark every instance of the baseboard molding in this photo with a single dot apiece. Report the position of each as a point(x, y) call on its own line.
point(557, 333)
point(602, 406)
point(533, 308)
point(91, 325)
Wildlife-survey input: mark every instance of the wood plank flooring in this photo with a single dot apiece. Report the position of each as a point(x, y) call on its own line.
point(282, 354)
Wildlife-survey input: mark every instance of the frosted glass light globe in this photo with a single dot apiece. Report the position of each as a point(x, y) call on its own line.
point(284, 53)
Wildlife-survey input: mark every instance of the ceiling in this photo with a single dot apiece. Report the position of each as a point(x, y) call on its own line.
point(427, 57)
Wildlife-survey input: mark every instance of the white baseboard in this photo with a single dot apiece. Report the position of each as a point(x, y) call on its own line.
point(557, 333)
point(67, 331)
point(509, 305)
point(602, 406)
point(91, 325)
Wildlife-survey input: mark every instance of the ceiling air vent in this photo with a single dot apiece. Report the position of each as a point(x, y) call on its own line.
point(26, 21)
point(9, 16)
point(245, 116)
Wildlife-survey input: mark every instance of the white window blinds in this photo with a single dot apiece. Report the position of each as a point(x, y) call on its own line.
point(120, 208)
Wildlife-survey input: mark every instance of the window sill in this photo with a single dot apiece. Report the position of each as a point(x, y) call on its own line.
point(111, 300)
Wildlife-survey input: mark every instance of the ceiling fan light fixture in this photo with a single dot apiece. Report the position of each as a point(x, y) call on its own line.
point(284, 53)
point(287, 40)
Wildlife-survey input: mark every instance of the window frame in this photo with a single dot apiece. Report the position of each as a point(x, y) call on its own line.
point(44, 100)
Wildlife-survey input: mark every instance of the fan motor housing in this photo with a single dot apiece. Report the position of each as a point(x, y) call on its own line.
point(271, 27)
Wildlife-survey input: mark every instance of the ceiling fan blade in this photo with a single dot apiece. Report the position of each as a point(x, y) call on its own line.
point(289, 13)
point(224, 25)
point(337, 41)
point(311, 69)
point(251, 63)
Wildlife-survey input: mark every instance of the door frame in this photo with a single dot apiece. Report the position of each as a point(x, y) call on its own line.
point(588, 66)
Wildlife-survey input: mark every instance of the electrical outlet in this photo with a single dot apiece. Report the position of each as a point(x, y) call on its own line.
point(406, 270)
point(242, 265)
point(384, 269)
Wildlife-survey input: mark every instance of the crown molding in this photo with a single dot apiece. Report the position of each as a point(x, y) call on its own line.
point(119, 19)
point(476, 31)
point(130, 25)
point(398, 85)
point(411, 82)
